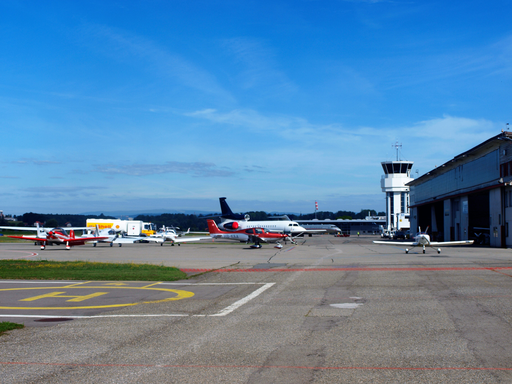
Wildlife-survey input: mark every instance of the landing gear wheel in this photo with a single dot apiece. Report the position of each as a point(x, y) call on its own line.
point(438, 250)
point(423, 251)
point(406, 251)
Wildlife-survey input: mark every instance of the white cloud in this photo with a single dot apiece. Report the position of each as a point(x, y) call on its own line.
point(195, 169)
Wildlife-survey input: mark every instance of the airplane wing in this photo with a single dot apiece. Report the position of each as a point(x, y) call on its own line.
point(28, 238)
point(35, 229)
point(177, 240)
point(414, 243)
point(463, 242)
point(187, 239)
point(20, 228)
point(84, 239)
point(128, 240)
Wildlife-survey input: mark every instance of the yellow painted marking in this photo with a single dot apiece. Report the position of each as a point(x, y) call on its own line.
point(114, 284)
point(180, 294)
point(150, 285)
point(74, 299)
point(75, 285)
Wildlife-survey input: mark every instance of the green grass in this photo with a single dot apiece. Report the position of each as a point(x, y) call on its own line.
point(7, 326)
point(84, 270)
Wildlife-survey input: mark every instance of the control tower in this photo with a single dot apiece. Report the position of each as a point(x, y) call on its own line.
point(396, 175)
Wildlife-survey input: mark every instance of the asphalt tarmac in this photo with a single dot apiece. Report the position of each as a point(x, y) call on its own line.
point(329, 310)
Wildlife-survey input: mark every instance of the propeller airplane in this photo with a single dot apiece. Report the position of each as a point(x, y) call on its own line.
point(255, 235)
point(422, 239)
point(54, 236)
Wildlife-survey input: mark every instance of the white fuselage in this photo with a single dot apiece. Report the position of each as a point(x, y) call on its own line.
point(422, 239)
point(168, 234)
point(283, 226)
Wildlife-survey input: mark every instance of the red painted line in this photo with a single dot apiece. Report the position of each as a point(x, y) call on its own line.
point(361, 269)
point(30, 254)
point(257, 366)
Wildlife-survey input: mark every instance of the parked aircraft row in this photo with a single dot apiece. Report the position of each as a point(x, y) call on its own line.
point(233, 227)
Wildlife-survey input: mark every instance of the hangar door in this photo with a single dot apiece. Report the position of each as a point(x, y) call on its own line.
point(479, 213)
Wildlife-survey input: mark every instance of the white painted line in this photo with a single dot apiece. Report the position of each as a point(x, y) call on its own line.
point(93, 316)
point(243, 301)
point(213, 283)
point(103, 281)
point(346, 305)
point(39, 282)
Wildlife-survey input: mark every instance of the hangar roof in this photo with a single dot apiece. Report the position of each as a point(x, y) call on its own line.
point(475, 152)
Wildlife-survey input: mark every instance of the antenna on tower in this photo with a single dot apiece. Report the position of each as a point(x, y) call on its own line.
point(396, 145)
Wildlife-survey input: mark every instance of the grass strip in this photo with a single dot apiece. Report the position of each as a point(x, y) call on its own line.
point(85, 270)
point(8, 326)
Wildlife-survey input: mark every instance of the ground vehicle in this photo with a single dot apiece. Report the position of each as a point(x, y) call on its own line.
point(399, 235)
point(130, 227)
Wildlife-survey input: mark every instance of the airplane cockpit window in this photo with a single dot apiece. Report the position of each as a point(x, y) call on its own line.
point(258, 230)
point(61, 230)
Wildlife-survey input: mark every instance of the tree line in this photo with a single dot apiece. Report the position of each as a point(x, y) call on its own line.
point(181, 220)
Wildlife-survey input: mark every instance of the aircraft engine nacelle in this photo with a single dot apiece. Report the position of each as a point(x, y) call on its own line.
point(233, 225)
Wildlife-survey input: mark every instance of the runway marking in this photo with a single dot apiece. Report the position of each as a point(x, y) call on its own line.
point(180, 294)
point(246, 299)
point(229, 309)
point(360, 269)
point(73, 299)
point(120, 365)
point(30, 254)
point(96, 316)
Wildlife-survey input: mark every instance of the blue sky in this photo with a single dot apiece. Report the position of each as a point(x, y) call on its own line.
point(124, 105)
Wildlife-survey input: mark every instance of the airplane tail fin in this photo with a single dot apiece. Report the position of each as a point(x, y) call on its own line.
point(227, 213)
point(72, 234)
point(97, 231)
point(40, 231)
point(212, 227)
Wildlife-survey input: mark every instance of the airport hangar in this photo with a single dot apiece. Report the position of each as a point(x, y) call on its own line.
point(468, 197)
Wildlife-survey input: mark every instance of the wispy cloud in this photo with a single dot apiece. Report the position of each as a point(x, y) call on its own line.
point(125, 46)
point(195, 169)
point(61, 192)
point(35, 162)
point(258, 66)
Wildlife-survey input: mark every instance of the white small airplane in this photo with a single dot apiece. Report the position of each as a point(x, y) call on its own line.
point(109, 235)
point(169, 234)
point(422, 239)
